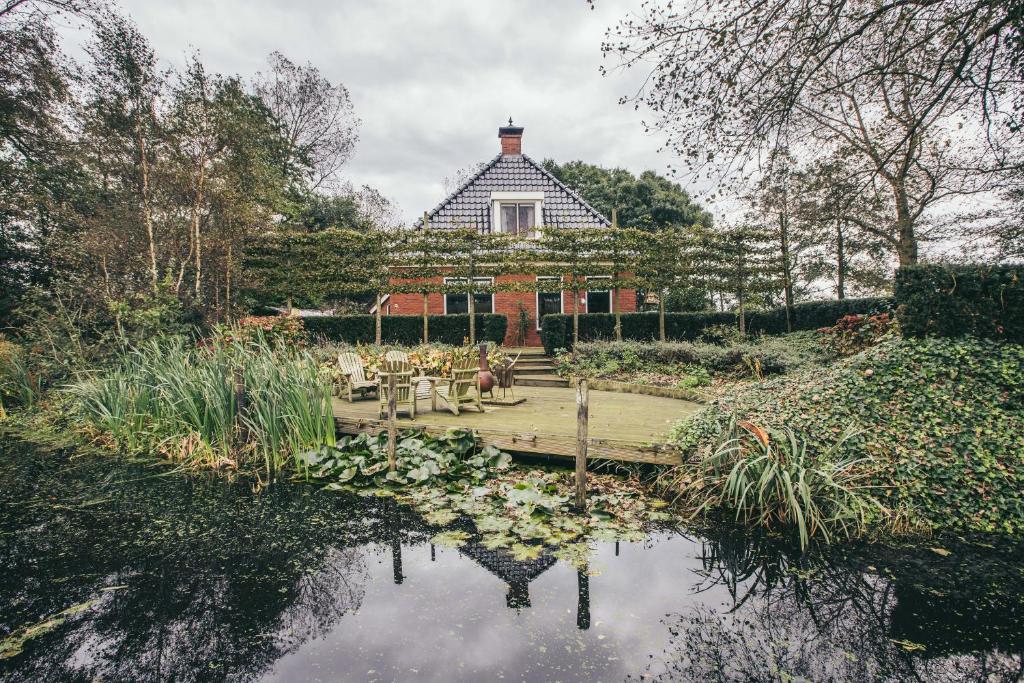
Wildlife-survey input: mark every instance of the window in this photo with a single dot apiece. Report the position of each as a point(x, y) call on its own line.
point(458, 303)
point(549, 302)
point(517, 219)
point(598, 301)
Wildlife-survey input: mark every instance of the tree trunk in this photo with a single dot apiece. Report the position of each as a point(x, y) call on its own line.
point(426, 318)
point(227, 286)
point(840, 262)
point(787, 274)
point(472, 318)
point(614, 309)
point(661, 315)
point(575, 314)
point(907, 240)
point(147, 212)
point(377, 324)
point(195, 228)
point(743, 317)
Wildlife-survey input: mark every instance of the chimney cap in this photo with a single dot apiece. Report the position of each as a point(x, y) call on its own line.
point(510, 130)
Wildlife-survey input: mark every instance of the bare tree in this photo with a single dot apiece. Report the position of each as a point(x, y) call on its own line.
point(738, 82)
point(316, 117)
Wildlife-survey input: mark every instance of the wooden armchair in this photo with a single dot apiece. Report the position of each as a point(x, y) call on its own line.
point(463, 388)
point(354, 374)
point(405, 389)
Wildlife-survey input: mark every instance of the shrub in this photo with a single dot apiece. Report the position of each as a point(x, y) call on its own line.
point(272, 328)
point(950, 301)
point(770, 355)
point(406, 330)
point(853, 333)
point(556, 330)
point(772, 479)
point(942, 418)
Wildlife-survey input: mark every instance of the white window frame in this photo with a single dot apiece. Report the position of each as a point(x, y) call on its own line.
point(561, 296)
point(500, 198)
point(599, 291)
point(444, 297)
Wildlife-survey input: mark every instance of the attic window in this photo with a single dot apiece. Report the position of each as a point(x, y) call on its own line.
point(517, 219)
point(517, 213)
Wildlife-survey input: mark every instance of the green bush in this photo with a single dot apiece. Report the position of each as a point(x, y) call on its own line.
point(950, 301)
point(556, 330)
point(773, 355)
point(406, 330)
point(943, 419)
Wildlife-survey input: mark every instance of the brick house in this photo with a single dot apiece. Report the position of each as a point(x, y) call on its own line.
point(513, 194)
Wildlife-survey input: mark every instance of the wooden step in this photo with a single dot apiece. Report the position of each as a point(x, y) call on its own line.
point(550, 381)
point(533, 372)
point(535, 365)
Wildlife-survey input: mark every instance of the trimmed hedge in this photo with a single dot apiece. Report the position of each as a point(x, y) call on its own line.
point(950, 301)
point(556, 330)
point(406, 330)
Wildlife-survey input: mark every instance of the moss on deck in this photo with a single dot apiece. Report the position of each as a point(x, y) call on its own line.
point(621, 419)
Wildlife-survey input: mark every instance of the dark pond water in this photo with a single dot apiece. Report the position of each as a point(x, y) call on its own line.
point(173, 578)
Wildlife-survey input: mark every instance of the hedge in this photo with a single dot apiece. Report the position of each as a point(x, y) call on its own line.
point(950, 301)
point(406, 330)
point(556, 330)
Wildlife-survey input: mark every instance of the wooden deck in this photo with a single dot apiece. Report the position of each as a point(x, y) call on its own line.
point(627, 427)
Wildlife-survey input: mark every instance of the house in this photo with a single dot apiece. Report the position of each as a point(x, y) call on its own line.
point(512, 193)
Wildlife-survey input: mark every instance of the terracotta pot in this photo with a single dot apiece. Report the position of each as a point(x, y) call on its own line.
point(486, 376)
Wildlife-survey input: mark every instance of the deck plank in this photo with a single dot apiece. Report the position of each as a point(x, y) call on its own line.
point(625, 427)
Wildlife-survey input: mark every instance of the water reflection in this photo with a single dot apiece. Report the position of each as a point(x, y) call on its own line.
point(197, 580)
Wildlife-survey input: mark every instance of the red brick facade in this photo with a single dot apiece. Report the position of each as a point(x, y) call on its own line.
point(505, 303)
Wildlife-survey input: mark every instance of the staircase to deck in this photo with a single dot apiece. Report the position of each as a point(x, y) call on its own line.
point(535, 368)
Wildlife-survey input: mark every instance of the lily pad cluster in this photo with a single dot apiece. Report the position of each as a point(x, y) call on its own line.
point(528, 513)
point(362, 461)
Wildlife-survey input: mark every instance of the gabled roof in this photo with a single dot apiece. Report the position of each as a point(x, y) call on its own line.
point(470, 205)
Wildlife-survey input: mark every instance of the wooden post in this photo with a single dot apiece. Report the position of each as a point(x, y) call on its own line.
point(583, 599)
point(392, 430)
point(582, 415)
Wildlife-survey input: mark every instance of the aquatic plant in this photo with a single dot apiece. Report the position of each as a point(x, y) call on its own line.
point(771, 478)
point(362, 460)
point(216, 405)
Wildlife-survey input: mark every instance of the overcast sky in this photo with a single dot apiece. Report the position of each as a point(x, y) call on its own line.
point(432, 81)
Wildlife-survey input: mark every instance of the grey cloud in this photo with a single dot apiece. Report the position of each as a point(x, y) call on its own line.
point(431, 82)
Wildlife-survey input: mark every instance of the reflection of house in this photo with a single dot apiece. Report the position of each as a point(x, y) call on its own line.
point(516, 573)
point(513, 194)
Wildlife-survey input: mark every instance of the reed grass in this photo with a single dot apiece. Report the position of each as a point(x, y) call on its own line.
point(770, 478)
point(180, 401)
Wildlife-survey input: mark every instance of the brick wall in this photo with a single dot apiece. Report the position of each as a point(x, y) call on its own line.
point(506, 303)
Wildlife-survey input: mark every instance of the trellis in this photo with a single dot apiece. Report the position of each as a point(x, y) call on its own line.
point(336, 262)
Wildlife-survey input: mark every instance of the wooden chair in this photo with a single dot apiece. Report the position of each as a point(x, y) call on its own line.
point(396, 356)
point(405, 389)
point(355, 374)
point(463, 388)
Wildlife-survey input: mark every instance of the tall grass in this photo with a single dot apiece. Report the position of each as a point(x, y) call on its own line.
point(181, 402)
point(771, 479)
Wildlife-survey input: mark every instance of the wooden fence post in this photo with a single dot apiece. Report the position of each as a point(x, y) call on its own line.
point(392, 431)
point(582, 415)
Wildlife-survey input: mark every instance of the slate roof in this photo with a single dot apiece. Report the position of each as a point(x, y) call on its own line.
point(470, 205)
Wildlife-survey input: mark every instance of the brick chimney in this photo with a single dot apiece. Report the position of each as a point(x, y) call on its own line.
point(511, 139)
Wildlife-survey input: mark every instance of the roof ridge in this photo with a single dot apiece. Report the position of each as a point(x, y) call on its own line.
point(473, 178)
point(571, 192)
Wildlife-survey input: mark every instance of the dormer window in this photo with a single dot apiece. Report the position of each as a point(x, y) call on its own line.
point(517, 219)
point(517, 213)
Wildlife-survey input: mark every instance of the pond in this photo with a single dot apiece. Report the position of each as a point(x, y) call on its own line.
point(117, 571)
